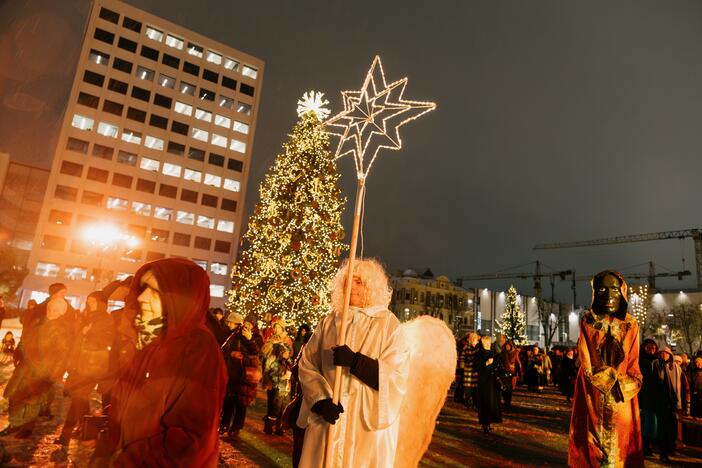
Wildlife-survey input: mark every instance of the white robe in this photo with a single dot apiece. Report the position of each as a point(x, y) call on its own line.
point(365, 435)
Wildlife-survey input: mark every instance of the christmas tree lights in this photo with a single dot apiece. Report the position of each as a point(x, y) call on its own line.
point(513, 323)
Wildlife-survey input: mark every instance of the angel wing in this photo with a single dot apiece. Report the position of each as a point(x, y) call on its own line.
point(432, 370)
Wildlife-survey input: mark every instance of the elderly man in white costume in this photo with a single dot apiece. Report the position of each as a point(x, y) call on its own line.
point(375, 366)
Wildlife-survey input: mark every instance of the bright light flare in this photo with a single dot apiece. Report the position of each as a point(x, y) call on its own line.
point(106, 235)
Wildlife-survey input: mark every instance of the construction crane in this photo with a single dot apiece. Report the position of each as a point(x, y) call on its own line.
point(695, 234)
point(650, 276)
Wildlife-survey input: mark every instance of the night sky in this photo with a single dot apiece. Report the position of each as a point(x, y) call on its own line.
point(556, 120)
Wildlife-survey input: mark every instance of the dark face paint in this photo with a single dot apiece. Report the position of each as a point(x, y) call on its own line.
point(608, 296)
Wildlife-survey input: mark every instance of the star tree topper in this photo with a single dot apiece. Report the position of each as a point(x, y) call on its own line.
point(372, 117)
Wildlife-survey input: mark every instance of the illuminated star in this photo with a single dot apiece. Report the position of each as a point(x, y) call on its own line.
point(372, 117)
point(313, 101)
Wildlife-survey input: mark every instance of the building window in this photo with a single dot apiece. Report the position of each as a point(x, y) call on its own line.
point(202, 114)
point(122, 65)
point(185, 217)
point(108, 130)
point(246, 89)
point(166, 81)
point(166, 190)
point(235, 165)
point(131, 136)
point(131, 24)
point(171, 61)
point(229, 83)
point(232, 185)
point(218, 268)
point(163, 213)
point(127, 45)
point(82, 122)
point(224, 101)
point(213, 180)
point(209, 75)
point(62, 218)
point(140, 208)
point(222, 121)
point(79, 146)
point(163, 101)
point(151, 256)
point(141, 93)
point(149, 53)
point(223, 246)
point(179, 127)
point(91, 198)
point(63, 192)
point(238, 146)
point(194, 49)
point(98, 57)
point(117, 86)
point(104, 36)
point(175, 42)
point(145, 73)
point(205, 222)
point(149, 164)
point(122, 180)
point(206, 94)
point(231, 64)
point(225, 226)
point(112, 107)
point(136, 114)
point(154, 34)
point(241, 127)
point(72, 169)
point(172, 170)
point(191, 68)
point(181, 239)
point(146, 186)
point(228, 205)
point(216, 290)
point(187, 88)
point(159, 235)
point(103, 152)
point(114, 203)
point(183, 108)
point(132, 256)
point(193, 175)
point(216, 159)
point(109, 15)
point(175, 148)
point(153, 142)
point(196, 154)
point(88, 100)
point(202, 243)
point(219, 140)
point(243, 108)
point(53, 242)
point(214, 57)
point(249, 71)
point(49, 270)
point(209, 200)
point(188, 195)
point(199, 134)
point(98, 175)
point(124, 157)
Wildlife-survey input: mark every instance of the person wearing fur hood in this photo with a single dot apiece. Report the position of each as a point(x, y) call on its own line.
point(375, 366)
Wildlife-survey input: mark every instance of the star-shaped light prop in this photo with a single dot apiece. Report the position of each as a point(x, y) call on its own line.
point(313, 101)
point(372, 117)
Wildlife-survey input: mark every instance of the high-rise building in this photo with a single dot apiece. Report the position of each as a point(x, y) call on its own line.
point(152, 157)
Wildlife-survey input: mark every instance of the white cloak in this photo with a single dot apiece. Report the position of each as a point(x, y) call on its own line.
point(365, 435)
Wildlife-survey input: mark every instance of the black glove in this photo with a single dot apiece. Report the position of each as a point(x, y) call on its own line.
point(363, 367)
point(328, 410)
point(344, 357)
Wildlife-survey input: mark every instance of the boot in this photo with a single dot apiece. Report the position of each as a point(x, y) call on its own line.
point(279, 427)
point(268, 424)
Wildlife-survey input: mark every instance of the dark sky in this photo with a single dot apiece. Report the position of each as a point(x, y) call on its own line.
point(556, 120)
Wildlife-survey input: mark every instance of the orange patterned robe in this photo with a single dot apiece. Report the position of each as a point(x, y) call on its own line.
point(605, 428)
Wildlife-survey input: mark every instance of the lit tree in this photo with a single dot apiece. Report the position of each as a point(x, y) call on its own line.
point(513, 323)
point(294, 237)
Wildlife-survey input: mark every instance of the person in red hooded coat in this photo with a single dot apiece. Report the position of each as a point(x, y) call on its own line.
point(165, 406)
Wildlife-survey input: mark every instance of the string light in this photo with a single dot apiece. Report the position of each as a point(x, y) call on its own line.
point(313, 101)
point(513, 323)
point(639, 303)
point(372, 117)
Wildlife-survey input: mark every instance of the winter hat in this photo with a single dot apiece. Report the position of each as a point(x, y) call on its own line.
point(235, 317)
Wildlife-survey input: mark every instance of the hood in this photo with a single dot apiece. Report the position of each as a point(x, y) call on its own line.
point(624, 287)
point(185, 293)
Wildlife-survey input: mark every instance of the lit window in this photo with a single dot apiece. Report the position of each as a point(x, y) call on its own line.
point(131, 136)
point(153, 33)
point(75, 273)
point(193, 175)
point(216, 290)
point(108, 130)
point(187, 88)
point(205, 222)
point(149, 164)
point(98, 57)
point(243, 108)
point(194, 49)
point(185, 217)
point(46, 269)
point(183, 108)
point(199, 134)
point(226, 102)
point(172, 170)
point(166, 81)
point(219, 140)
point(211, 179)
point(249, 71)
point(241, 127)
point(144, 73)
point(237, 145)
point(163, 213)
point(222, 121)
point(232, 185)
point(175, 42)
point(143, 209)
point(230, 64)
point(201, 263)
point(82, 122)
point(218, 268)
point(114, 203)
point(225, 226)
point(153, 143)
point(214, 57)
point(203, 115)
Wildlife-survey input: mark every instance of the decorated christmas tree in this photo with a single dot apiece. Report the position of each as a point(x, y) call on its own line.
point(294, 240)
point(513, 323)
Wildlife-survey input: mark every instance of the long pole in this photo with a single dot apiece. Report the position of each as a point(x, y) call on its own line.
point(341, 335)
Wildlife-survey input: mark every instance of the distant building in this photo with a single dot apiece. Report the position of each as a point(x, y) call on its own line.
point(153, 155)
point(22, 191)
point(415, 295)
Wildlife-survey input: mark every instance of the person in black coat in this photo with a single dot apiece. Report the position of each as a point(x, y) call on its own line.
point(488, 394)
point(567, 374)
